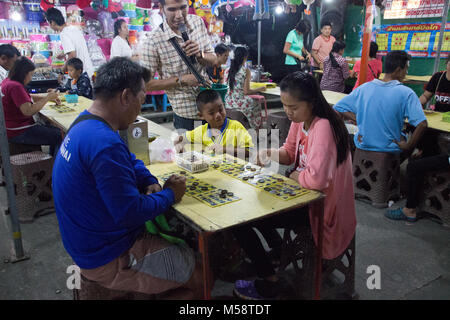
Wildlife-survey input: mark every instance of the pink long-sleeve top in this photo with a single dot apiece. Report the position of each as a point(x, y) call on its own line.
point(317, 168)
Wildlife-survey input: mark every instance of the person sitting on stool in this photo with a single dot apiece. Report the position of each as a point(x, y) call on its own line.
point(19, 107)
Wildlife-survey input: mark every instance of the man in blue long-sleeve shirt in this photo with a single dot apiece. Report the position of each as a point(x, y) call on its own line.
point(104, 195)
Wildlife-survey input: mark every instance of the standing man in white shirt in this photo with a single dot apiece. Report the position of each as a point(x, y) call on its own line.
point(8, 55)
point(73, 42)
point(120, 46)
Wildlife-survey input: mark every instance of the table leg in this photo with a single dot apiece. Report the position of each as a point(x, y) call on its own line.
point(317, 210)
point(207, 275)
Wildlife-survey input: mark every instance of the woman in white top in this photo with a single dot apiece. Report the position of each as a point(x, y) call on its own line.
point(120, 46)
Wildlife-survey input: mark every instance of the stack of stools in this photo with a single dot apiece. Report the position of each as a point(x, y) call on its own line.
point(32, 174)
point(260, 99)
point(280, 121)
point(299, 249)
point(435, 197)
point(376, 176)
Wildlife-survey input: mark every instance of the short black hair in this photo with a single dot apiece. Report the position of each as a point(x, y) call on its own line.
point(325, 23)
point(55, 15)
point(373, 49)
point(20, 69)
point(302, 27)
point(76, 63)
point(9, 51)
point(396, 59)
point(118, 74)
point(221, 48)
point(206, 96)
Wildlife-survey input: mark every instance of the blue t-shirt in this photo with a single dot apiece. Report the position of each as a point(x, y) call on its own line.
point(381, 109)
point(96, 184)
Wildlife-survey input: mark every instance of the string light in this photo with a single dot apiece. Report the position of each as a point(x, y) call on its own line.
point(279, 10)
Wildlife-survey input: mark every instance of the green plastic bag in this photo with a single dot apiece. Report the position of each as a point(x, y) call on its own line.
point(160, 226)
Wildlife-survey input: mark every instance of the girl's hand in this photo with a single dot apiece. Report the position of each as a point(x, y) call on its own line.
point(262, 89)
point(263, 158)
point(294, 175)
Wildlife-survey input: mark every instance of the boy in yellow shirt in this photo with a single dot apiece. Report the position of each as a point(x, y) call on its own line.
point(219, 134)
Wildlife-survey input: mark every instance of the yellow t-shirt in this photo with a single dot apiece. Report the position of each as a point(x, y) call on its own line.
point(233, 134)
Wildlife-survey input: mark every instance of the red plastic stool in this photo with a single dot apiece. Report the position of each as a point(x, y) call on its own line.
point(260, 100)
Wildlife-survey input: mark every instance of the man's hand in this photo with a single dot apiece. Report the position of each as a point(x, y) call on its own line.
point(153, 188)
point(321, 65)
point(178, 144)
point(61, 56)
point(178, 185)
point(192, 48)
point(405, 147)
point(189, 80)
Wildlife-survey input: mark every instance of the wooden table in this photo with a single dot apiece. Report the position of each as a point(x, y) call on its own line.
point(331, 96)
point(408, 79)
point(255, 204)
point(64, 120)
point(435, 122)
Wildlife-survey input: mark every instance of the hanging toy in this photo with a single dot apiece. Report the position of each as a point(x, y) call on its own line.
point(308, 4)
point(261, 14)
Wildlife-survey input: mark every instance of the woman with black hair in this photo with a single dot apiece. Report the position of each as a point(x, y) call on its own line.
point(374, 66)
point(238, 79)
point(120, 46)
point(19, 107)
point(294, 48)
point(335, 69)
point(318, 146)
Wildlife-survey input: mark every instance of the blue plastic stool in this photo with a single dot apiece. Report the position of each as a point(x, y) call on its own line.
point(165, 103)
point(151, 105)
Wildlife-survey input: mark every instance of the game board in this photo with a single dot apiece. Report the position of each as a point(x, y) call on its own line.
point(445, 43)
point(382, 41)
point(398, 41)
point(202, 191)
point(61, 108)
point(282, 188)
point(420, 41)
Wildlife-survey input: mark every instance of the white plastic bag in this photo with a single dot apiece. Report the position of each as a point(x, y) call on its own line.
point(161, 150)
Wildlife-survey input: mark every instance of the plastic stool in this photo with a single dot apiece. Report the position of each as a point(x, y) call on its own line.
point(151, 105)
point(280, 121)
point(298, 246)
point(32, 173)
point(435, 197)
point(165, 103)
point(260, 100)
point(376, 175)
point(237, 115)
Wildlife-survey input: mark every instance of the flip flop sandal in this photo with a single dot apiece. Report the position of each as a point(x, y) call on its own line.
point(397, 214)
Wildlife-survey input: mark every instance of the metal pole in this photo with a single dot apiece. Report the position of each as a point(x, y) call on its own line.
point(259, 49)
point(12, 206)
point(366, 42)
point(441, 37)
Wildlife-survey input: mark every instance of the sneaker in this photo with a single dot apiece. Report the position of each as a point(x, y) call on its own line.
point(256, 289)
point(397, 214)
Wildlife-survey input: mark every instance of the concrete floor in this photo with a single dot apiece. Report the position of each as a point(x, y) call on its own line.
point(414, 259)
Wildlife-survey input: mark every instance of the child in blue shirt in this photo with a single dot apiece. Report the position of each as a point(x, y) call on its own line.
point(79, 82)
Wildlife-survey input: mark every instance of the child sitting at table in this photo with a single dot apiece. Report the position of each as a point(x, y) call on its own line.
point(79, 82)
point(219, 134)
point(319, 146)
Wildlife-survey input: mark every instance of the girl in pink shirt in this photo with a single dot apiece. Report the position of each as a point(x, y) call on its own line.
point(374, 66)
point(318, 144)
